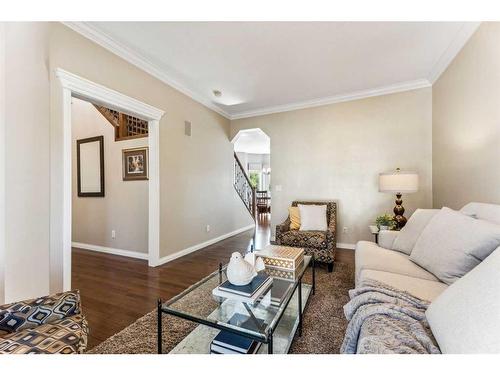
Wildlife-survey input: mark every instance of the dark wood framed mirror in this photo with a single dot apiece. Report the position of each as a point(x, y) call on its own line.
point(90, 166)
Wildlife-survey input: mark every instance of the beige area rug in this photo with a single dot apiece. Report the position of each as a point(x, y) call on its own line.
point(324, 323)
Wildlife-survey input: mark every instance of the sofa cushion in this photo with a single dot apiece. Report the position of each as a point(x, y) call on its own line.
point(65, 336)
point(312, 217)
point(297, 238)
point(370, 256)
point(407, 237)
point(386, 238)
point(465, 318)
point(485, 211)
point(453, 243)
point(420, 288)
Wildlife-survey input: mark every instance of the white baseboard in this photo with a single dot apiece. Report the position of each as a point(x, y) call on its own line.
point(110, 250)
point(348, 246)
point(199, 246)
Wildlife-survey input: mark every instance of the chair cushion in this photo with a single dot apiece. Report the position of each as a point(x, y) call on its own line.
point(296, 238)
point(65, 336)
point(369, 255)
point(312, 217)
point(453, 243)
point(420, 288)
point(465, 318)
point(408, 236)
point(294, 213)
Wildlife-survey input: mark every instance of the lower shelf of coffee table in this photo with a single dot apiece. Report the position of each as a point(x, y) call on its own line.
point(198, 341)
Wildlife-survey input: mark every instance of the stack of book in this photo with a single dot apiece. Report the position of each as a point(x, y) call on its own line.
point(279, 291)
point(245, 293)
point(232, 343)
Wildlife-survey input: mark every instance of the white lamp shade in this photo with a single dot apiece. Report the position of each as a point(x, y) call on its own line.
point(398, 182)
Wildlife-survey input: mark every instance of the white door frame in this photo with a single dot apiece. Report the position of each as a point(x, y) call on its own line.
point(73, 85)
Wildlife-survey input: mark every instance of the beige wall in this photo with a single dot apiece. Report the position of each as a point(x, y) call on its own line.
point(125, 205)
point(27, 164)
point(195, 172)
point(466, 124)
point(336, 151)
point(2, 161)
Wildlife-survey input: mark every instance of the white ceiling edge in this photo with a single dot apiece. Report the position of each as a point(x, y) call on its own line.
point(102, 39)
point(453, 49)
point(384, 90)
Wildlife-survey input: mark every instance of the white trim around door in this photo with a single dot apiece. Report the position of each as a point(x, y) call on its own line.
point(73, 85)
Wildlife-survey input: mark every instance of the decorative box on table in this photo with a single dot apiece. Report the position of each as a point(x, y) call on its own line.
point(282, 257)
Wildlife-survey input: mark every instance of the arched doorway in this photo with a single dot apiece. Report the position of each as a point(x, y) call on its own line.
point(252, 147)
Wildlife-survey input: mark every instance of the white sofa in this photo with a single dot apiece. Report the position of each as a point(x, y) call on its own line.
point(382, 263)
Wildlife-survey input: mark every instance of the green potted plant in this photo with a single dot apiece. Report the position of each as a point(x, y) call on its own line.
point(385, 222)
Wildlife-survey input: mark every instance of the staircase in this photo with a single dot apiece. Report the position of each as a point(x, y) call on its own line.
point(126, 126)
point(246, 192)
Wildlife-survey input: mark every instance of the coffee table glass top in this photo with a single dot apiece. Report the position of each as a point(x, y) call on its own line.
point(199, 304)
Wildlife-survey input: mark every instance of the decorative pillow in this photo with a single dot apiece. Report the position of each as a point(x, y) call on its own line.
point(34, 312)
point(452, 244)
point(465, 318)
point(408, 236)
point(294, 213)
point(312, 217)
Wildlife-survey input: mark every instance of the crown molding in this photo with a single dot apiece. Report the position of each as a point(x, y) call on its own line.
point(104, 40)
point(97, 36)
point(384, 90)
point(453, 49)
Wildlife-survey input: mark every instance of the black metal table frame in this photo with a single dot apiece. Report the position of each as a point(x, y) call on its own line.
point(269, 336)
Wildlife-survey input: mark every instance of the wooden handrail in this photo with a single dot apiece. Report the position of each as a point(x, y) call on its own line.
point(250, 202)
point(126, 126)
point(243, 169)
point(107, 115)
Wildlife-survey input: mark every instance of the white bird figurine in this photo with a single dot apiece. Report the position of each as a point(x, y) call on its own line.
point(242, 271)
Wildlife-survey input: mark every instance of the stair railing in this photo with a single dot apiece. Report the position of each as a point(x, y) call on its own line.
point(245, 191)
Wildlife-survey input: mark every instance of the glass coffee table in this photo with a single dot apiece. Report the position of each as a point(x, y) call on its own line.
point(275, 324)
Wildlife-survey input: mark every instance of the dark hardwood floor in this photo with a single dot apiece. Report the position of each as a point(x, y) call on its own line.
point(117, 290)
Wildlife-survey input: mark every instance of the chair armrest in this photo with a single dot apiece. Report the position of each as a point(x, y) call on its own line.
point(54, 307)
point(386, 238)
point(282, 228)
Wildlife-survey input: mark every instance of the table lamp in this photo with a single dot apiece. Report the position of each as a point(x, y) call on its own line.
point(397, 183)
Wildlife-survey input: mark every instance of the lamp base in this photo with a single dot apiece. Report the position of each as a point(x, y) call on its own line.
point(398, 212)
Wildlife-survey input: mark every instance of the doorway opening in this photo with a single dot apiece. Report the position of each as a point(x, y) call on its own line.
point(252, 147)
point(73, 86)
point(109, 181)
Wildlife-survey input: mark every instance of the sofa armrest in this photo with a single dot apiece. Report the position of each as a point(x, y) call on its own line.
point(386, 238)
point(282, 228)
point(31, 313)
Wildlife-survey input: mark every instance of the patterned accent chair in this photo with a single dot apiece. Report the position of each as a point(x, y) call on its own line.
point(52, 324)
point(321, 244)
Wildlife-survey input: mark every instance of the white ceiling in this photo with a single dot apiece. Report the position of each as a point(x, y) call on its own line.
point(265, 67)
point(252, 141)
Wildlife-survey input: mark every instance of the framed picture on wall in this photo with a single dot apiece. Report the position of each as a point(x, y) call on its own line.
point(135, 164)
point(90, 166)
